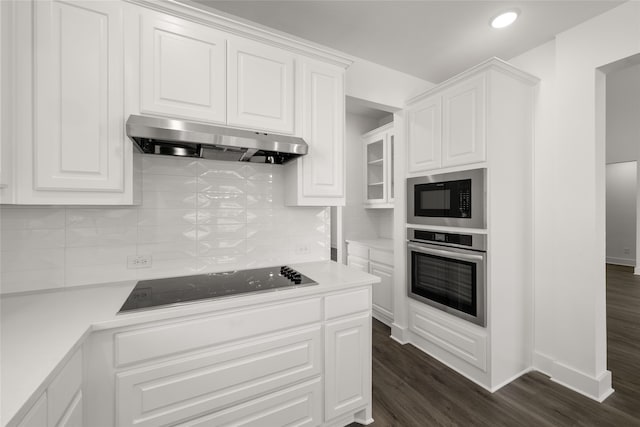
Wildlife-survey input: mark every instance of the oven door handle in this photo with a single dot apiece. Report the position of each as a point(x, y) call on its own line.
point(445, 253)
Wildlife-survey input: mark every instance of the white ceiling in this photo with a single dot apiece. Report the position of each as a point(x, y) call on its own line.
point(432, 40)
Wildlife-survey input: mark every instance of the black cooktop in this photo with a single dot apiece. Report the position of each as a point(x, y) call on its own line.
point(179, 290)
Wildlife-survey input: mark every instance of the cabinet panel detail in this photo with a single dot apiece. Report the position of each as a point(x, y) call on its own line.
point(179, 389)
point(64, 388)
point(348, 374)
point(300, 405)
point(78, 92)
point(160, 341)
point(463, 343)
point(73, 415)
point(183, 69)
point(425, 136)
point(323, 94)
point(383, 292)
point(37, 415)
point(464, 123)
point(346, 303)
point(261, 86)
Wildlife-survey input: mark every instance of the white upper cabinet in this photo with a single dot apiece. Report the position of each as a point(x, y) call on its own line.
point(448, 128)
point(463, 119)
point(78, 93)
point(378, 167)
point(183, 69)
point(317, 179)
point(260, 86)
point(425, 135)
point(72, 71)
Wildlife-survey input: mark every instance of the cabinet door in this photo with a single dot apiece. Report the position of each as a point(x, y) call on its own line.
point(383, 292)
point(464, 123)
point(375, 168)
point(347, 365)
point(65, 394)
point(425, 135)
point(261, 86)
point(37, 415)
point(183, 69)
point(78, 94)
point(322, 101)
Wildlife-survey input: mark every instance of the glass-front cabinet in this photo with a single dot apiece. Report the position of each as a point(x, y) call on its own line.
point(378, 167)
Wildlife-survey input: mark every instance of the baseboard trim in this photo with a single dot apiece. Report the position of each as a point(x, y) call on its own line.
point(621, 261)
point(598, 388)
point(399, 334)
point(542, 363)
point(513, 378)
point(636, 271)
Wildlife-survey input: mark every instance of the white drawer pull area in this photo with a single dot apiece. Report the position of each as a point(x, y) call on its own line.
point(176, 337)
point(172, 391)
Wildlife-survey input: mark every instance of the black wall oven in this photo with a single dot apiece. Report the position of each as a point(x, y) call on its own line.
point(455, 199)
point(448, 271)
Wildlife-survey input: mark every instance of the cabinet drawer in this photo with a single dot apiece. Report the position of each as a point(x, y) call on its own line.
point(299, 405)
point(180, 389)
point(64, 388)
point(458, 340)
point(358, 250)
point(383, 257)
point(182, 336)
point(338, 305)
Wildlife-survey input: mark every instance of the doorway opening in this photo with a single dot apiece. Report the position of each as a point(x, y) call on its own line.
point(622, 226)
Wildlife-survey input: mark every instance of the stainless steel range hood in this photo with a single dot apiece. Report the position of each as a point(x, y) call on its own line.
point(171, 137)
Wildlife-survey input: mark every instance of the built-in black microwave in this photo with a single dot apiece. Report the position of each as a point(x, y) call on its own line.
point(454, 199)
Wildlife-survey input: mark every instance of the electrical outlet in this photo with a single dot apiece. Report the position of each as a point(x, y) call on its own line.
point(627, 251)
point(301, 249)
point(139, 261)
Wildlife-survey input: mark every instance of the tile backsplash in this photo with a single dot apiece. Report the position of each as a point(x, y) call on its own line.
point(196, 216)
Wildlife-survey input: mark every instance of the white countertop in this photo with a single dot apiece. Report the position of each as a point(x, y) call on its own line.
point(380, 243)
point(40, 330)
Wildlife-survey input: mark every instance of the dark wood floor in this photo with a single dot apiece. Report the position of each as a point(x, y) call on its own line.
point(434, 395)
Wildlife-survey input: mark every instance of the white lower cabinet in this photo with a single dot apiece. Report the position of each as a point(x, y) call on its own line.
point(301, 361)
point(363, 256)
point(300, 405)
point(61, 405)
point(37, 415)
point(178, 389)
point(347, 367)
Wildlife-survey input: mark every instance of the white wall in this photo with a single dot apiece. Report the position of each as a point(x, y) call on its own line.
point(381, 85)
point(196, 216)
point(623, 114)
point(621, 213)
point(569, 180)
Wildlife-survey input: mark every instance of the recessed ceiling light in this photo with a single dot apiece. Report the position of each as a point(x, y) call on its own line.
point(504, 19)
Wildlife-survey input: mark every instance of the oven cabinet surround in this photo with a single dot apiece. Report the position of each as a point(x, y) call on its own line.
point(92, 64)
point(501, 127)
point(375, 256)
point(378, 167)
point(447, 127)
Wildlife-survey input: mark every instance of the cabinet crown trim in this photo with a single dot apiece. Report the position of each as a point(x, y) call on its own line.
point(490, 64)
point(199, 13)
